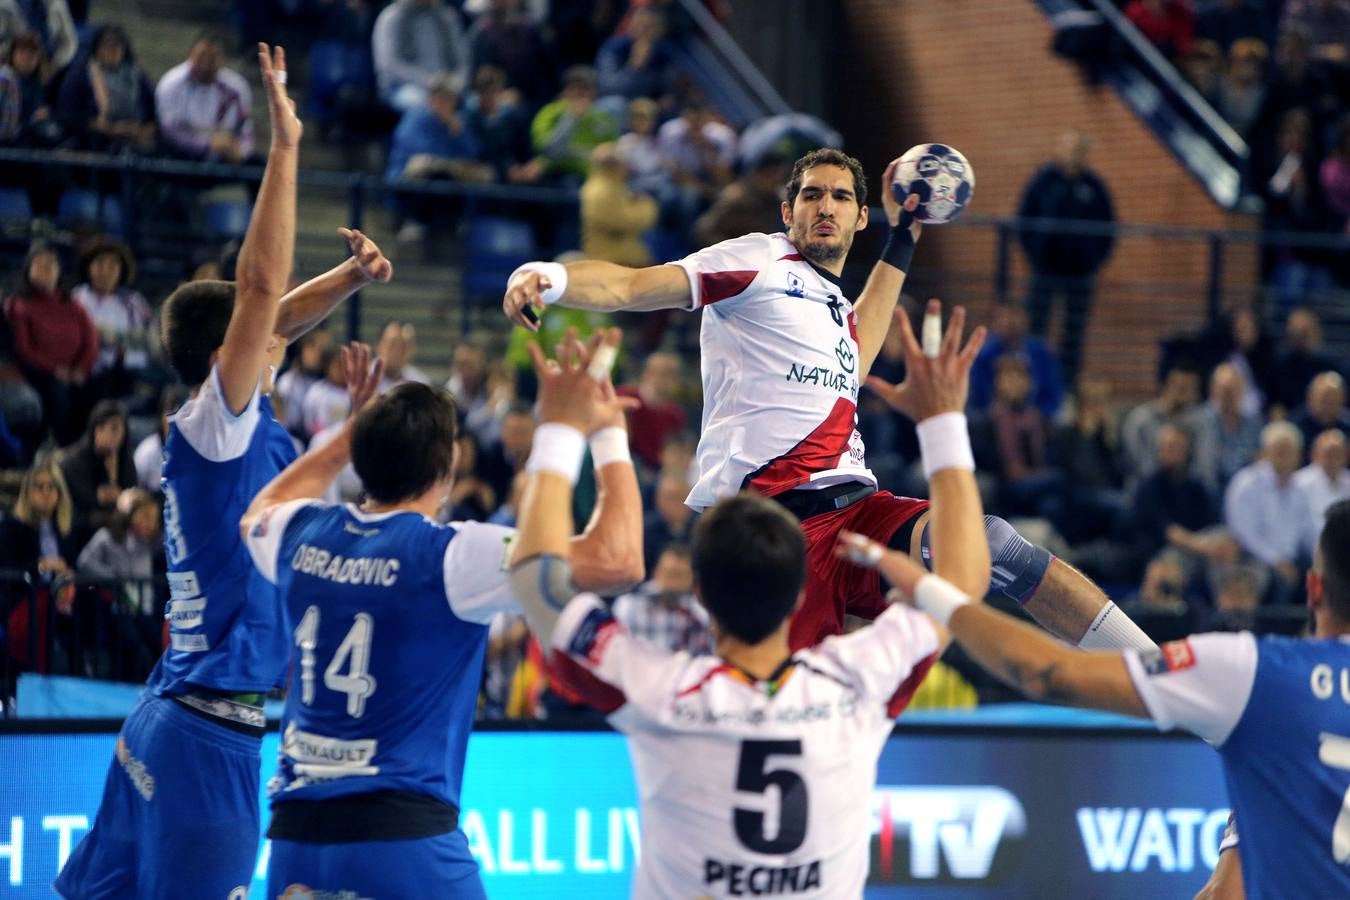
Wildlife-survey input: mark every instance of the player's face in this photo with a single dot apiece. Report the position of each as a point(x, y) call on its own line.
point(825, 215)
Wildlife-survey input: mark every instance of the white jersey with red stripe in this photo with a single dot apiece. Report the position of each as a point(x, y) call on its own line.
point(780, 371)
point(708, 743)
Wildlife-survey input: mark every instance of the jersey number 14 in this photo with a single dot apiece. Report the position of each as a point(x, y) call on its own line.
point(353, 652)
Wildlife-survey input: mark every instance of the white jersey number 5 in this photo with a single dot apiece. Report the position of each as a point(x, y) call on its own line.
point(354, 652)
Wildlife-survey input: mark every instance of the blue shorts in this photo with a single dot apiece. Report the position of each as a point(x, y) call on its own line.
point(179, 815)
point(439, 866)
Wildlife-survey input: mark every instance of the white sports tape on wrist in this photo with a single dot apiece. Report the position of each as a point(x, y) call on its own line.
point(609, 445)
point(931, 336)
point(556, 273)
point(602, 363)
point(559, 449)
point(944, 443)
point(938, 598)
point(864, 552)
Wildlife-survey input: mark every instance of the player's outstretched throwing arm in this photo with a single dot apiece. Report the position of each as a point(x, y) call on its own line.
point(265, 258)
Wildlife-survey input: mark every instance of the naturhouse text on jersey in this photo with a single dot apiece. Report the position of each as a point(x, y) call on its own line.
point(844, 379)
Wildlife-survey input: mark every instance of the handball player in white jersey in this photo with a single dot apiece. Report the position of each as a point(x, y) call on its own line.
point(711, 735)
point(784, 351)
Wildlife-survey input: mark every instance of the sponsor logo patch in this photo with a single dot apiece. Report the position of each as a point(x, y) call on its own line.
point(1174, 656)
point(591, 636)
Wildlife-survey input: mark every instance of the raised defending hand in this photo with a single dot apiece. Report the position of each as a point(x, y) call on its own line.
point(524, 297)
point(367, 256)
point(575, 388)
point(896, 213)
point(286, 127)
point(898, 569)
point(938, 383)
point(363, 379)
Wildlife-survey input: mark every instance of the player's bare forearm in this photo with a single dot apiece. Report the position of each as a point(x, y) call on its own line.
point(541, 548)
point(607, 556)
point(956, 526)
point(310, 303)
point(874, 309)
point(606, 287)
point(1043, 669)
point(306, 478)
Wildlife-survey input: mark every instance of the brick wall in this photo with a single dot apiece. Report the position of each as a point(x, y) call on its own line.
point(978, 74)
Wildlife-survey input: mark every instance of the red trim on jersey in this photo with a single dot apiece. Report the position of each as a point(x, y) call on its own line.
point(708, 676)
point(818, 451)
point(887, 838)
point(791, 257)
point(905, 693)
point(579, 683)
point(715, 286)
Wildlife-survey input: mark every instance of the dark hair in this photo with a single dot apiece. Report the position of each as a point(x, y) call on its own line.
point(1333, 550)
point(36, 249)
point(104, 245)
point(27, 40)
point(404, 442)
point(210, 36)
point(749, 560)
point(579, 76)
point(114, 31)
point(193, 325)
point(828, 156)
point(104, 411)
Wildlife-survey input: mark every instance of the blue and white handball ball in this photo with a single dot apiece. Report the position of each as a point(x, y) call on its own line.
point(942, 178)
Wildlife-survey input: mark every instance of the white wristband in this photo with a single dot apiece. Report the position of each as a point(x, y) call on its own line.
point(609, 445)
point(938, 598)
point(556, 273)
point(944, 441)
point(559, 449)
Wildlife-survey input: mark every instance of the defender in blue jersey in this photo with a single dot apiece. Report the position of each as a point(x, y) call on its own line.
point(389, 614)
point(179, 814)
point(1277, 710)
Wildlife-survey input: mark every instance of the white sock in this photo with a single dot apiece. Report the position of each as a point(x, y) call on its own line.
point(1113, 630)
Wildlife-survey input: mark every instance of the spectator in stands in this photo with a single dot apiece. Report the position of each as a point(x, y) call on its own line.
point(501, 462)
point(614, 217)
point(565, 132)
point(1027, 484)
point(1176, 403)
point(434, 141)
point(1170, 496)
point(1302, 358)
point(1334, 176)
point(1324, 408)
point(99, 466)
point(472, 498)
point(50, 20)
point(639, 63)
point(663, 610)
point(308, 363)
point(1225, 21)
point(1164, 584)
point(148, 457)
point(1242, 90)
point(125, 548)
point(659, 417)
point(1065, 264)
point(1249, 347)
point(1009, 337)
point(581, 26)
point(640, 152)
point(205, 110)
point(485, 419)
point(1289, 187)
point(23, 103)
point(20, 405)
point(107, 101)
point(54, 340)
point(494, 114)
point(326, 402)
point(1087, 450)
point(1226, 438)
point(128, 339)
point(415, 41)
point(469, 376)
point(1325, 480)
point(505, 37)
point(1327, 24)
point(669, 521)
point(1237, 598)
point(699, 152)
point(752, 203)
point(1202, 66)
point(398, 349)
point(506, 513)
point(1267, 514)
point(1168, 25)
point(1296, 81)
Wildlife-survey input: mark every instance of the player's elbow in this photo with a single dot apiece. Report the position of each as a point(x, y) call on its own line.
point(607, 573)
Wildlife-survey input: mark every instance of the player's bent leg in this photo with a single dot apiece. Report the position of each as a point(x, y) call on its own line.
point(1062, 599)
point(103, 863)
point(439, 866)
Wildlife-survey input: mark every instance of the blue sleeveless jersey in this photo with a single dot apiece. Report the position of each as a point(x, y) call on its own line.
point(384, 677)
point(1287, 763)
point(226, 630)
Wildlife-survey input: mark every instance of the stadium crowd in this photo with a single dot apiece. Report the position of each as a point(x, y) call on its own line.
point(1214, 489)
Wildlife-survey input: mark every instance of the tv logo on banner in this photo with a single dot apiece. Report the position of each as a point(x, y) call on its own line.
point(938, 835)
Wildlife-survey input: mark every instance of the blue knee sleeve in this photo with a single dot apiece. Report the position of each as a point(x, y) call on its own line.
point(1018, 564)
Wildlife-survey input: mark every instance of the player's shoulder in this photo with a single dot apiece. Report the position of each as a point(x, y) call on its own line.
point(757, 245)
